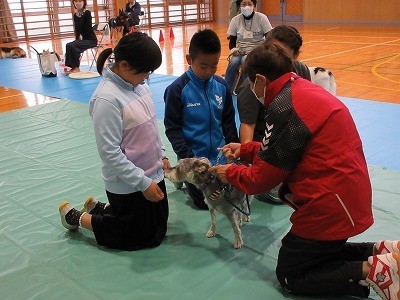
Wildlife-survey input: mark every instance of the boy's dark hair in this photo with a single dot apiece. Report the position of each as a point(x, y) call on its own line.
point(268, 59)
point(204, 41)
point(138, 49)
point(239, 1)
point(287, 35)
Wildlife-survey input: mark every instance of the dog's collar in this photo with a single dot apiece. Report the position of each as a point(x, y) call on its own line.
point(221, 187)
point(226, 189)
point(210, 178)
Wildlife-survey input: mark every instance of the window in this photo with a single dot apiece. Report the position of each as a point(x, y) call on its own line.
point(38, 19)
point(160, 12)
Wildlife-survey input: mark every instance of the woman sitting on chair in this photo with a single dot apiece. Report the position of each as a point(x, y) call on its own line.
point(85, 37)
point(133, 9)
point(246, 30)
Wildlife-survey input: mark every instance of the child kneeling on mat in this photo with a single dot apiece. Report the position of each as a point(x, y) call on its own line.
point(124, 120)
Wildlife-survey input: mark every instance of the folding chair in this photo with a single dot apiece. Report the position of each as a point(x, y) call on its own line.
point(101, 30)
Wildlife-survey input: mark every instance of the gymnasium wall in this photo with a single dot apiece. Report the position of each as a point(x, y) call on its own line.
point(325, 11)
point(352, 11)
point(221, 10)
point(330, 11)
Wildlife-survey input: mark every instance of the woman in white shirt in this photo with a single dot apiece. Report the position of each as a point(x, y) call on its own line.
point(246, 30)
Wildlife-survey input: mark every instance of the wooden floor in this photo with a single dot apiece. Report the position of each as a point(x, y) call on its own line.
point(365, 59)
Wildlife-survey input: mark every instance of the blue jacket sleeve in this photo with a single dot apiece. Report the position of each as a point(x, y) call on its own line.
point(228, 119)
point(173, 121)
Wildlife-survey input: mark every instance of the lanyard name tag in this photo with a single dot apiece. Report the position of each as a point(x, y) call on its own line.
point(248, 35)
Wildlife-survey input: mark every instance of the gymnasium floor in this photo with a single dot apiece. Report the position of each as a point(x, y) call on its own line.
point(48, 155)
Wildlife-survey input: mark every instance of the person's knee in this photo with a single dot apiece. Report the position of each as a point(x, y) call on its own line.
point(285, 283)
point(235, 61)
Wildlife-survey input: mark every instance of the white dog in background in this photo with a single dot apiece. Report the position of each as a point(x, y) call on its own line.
point(217, 197)
point(323, 78)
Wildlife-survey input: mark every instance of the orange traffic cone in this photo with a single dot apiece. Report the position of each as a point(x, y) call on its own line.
point(161, 38)
point(171, 33)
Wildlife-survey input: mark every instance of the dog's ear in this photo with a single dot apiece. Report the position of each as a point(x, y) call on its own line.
point(200, 167)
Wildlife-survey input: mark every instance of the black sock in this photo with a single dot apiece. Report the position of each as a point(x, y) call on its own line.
point(72, 217)
point(98, 209)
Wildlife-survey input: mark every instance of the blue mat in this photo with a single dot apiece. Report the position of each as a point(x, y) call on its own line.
point(376, 121)
point(48, 154)
point(379, 128)
point(24, 74)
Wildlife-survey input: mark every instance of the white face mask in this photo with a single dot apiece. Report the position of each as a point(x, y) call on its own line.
point(247, 10)
point(78, 5)
point(261, 99)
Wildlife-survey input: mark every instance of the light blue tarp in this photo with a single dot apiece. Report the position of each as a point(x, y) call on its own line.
point(48, 155)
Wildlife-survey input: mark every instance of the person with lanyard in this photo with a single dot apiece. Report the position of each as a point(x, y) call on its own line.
point(85, 37)
point(246, 30)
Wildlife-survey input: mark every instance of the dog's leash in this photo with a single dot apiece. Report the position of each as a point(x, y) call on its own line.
point(228, 187)
point(219, 156)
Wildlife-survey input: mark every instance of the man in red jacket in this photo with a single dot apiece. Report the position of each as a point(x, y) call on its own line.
point(311, 144)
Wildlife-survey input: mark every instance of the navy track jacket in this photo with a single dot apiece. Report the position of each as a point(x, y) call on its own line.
point(199, 116)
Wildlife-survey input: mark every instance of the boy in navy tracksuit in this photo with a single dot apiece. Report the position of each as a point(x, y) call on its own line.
point(199, 113)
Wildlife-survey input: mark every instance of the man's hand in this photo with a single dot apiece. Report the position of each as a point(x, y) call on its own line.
point(221, 171)
point(153, 193)
point(232, 150)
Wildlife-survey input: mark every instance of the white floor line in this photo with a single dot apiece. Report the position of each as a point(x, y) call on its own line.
point(351, 50)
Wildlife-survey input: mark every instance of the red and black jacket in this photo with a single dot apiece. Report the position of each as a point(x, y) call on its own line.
point(311, 144)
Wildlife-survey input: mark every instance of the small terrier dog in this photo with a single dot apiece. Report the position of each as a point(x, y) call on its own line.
point(13, 52)
point(217, 197)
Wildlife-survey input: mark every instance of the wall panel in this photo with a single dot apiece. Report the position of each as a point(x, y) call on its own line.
point(354, 11)
point(360, 11)
point(322, 10)
point(221, 10)
point(270, 7)
point(294, 7)
point(389, 11)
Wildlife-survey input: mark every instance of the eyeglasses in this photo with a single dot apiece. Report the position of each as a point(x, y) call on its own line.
point(146, 78)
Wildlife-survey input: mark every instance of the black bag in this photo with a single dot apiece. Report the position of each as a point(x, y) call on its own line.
point(47, 62)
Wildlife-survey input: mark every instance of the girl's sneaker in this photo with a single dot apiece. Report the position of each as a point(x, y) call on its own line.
point(94, 207)
point(383, 247)
point(69, 216)
point(384, 275)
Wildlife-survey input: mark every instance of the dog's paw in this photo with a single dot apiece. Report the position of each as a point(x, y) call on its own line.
point(238, 244)
point(210, 234)
point(247, 218)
